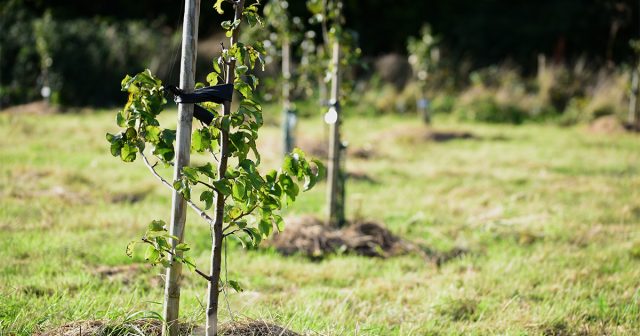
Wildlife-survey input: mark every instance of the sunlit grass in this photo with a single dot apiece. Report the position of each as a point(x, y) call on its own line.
point(550, 217)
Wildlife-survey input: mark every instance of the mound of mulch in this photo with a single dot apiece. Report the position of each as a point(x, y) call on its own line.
point(311, 237)
point(100, 328)
point(608, 125)
point(254, 328)
point(415, 135)
point(153, 327)
point(37, 108)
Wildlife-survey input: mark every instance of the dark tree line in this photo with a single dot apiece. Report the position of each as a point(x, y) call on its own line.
point(477, 32)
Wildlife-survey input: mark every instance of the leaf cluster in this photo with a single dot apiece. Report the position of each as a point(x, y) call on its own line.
point(252, 200)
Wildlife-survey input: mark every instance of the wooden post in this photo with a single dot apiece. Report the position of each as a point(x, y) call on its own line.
point(183, 147)
point(423, 103)
point(632, 117)
point(335, 202)
point(287, 113)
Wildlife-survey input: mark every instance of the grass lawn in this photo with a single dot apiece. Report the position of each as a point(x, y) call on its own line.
point(550, 217)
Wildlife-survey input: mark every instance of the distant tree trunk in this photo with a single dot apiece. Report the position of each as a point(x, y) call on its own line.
point(216, 246)
point(183, 147)
point(335, 190)
point(322, 87)
point(288, 117)
point(633, 119)
point(423, 104)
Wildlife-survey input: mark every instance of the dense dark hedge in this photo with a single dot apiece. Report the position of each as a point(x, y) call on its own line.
point(82, 60)
point(474, 33)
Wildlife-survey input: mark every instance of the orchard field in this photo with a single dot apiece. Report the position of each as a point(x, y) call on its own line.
point(548, 219)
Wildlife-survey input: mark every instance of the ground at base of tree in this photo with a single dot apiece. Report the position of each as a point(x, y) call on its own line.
point(153, 327)
point(311, 237)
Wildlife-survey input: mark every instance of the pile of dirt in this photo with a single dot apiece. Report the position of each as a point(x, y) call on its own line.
point(100, 328)
point(254, 328)
point(153, 327)
point(416, 135)
point(37, 108)
point(365, 152)
point(314, 147)
point(607, 125)
point(311, 237)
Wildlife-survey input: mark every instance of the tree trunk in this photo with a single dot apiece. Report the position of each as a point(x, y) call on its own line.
point(183, 147)
point(632, 117)
point(216, 244)
point(335, 190)
point(423, 105)
point(287, 113)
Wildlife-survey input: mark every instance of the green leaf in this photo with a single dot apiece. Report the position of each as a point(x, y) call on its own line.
point(222, 187)
point(207, 197)
point(290, 165)
point(238, 191)
point(279, 222)
point(218, 6)
point(182, 247)
point(152, 134)
point(235, 285)
point(156, 225)
point(120, 119)
point(265, 228)
point(212, 78)
point(189, 262)
point(128, 152)
point(191, 174)
point(241, 70)
point(151, 254)
point(244, 89)
point(130, 247)
point(207, 170)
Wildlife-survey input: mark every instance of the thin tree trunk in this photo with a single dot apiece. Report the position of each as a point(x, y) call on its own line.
point(216, 246)
point(287, 122)
point(183, 146)
point(633, 99)
point(335, 189)
point(423, 104)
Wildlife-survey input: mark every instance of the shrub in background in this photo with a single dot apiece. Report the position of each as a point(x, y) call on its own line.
point(77, 59)
point(19, 60)
point(80, 57)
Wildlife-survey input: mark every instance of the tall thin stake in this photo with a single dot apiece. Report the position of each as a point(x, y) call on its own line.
point(183, 144)
point(287, 114)
point(335, 190)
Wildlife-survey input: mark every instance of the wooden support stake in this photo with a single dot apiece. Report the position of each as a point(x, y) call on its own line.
point(287, 113)
point(335, 190)
point(183, 146)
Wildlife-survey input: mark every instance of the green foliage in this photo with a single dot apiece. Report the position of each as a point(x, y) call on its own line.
point(252, 201)
point(19, 60)
point(424, 55)
point(329, 15)
point(75, 55)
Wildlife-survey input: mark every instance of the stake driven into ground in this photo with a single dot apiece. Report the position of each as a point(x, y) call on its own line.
point(183, 151)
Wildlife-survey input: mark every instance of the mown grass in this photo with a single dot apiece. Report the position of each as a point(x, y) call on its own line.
point(550, 218)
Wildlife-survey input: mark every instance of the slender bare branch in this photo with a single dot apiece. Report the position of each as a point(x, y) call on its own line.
point(193, 206)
